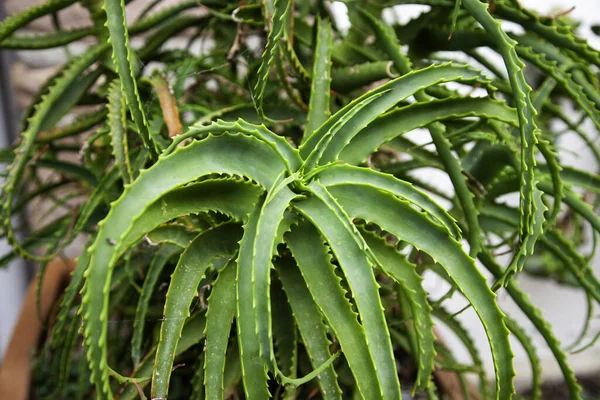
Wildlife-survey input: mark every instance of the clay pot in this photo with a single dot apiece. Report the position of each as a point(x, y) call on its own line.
point(15, 370)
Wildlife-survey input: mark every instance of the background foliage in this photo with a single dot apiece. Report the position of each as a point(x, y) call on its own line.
point(256, 223)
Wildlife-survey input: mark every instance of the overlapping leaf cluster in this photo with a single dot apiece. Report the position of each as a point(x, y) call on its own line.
point(257, 225)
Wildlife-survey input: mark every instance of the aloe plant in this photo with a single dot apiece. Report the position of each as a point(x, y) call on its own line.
point(269, 238)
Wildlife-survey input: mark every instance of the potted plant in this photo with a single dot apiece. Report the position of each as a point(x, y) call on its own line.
point(255, 221)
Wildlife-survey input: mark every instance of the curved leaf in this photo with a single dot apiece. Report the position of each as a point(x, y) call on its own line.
point(25, 149)
point(418, 115)
point(123, 58)
point(82, 123)
point(543, 327)
point(193, 263)
point(534, 360)
point(161, 258)
point(391, 45)
point(348, 175)
point(235, 154)
point(314, 262)
point(560, 35)
point(309, 321)
point(347, 79)
point(46, 41)
point(281, 7)
point(117, 120)
point(318, 111)
point(172, 234)
point(254, 370)
point(388, 95)
point(397, 267)
point(219, 317)
point(351, 252)
point(14, 22)
point(398, 218)
point(530, 213)
point(288, 154)
point(235, 198)
point(160, 16)
point(262, 243)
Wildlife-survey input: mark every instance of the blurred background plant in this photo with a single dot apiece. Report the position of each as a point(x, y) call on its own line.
point(186, 64)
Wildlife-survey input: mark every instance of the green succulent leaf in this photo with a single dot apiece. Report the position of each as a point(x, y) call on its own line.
point(417, 115)
point(347, 175)
point(403, 64)
point(24, 151)
point(118, 130)
point(11, 24)
point(281, 9)
point(388, 95)
point(310, 323)
point(321, 79)
point(541, 324)
point(396, 217)
point(314, 262)
point(529, 347)
point(404, 273)
point(219, 317)
point(530, 212)
point(463, 335)
point(254, 368)
point(193, 263)
point(263, 244)
point(47, 41)
point(124, 60)
point(162, 257)
point(351, 252)
point(104, 251)
point(300, 206)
